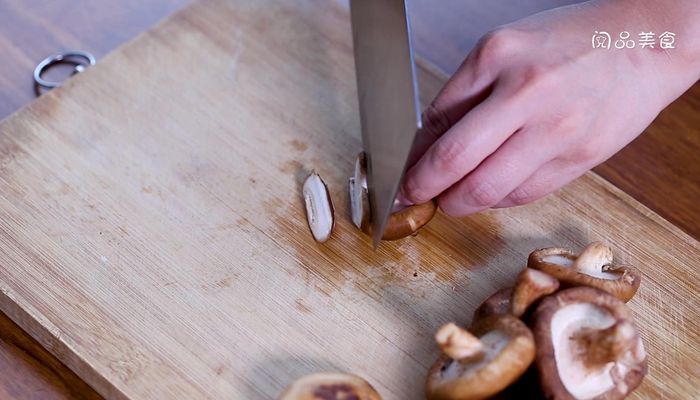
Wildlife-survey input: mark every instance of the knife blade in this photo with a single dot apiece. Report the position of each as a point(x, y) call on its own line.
point(388, 98)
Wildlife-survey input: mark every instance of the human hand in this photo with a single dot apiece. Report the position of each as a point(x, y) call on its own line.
point(534, 106)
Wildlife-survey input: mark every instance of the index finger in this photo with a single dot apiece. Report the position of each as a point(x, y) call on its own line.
point(462, 92)
point(461, 149)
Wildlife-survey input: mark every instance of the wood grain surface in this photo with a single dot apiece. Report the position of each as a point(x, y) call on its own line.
point(157, 244)
point(29, 31)
point(660, 169)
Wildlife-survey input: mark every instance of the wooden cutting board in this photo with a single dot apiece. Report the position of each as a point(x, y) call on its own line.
point(152, 232)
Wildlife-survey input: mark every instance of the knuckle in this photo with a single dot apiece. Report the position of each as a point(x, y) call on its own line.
point(500, 42)
point(586, 155)
point(436, 121)
point(556, 129)
point(489, 51)
point(481, 193)
point(449, 209)
point(522, 196)
point(447, 156)
point(562, 122)
point(530, 78)
point(495, 44)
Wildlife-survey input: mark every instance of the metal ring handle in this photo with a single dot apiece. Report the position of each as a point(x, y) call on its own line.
point(82, 59)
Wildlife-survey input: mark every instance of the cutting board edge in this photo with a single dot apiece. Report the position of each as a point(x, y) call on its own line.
point(643, 209)
point(27, 317)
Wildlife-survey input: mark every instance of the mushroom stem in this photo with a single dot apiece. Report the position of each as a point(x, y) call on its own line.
point(530, 286)
point(601, 346)
point(593, 258)
point(458, 343)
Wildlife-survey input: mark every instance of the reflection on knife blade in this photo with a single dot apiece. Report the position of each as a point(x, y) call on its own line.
point(388, 98)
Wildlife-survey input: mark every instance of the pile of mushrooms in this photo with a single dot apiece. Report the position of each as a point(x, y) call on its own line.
point(480, 364)
point(566, 312)
point(403, 222)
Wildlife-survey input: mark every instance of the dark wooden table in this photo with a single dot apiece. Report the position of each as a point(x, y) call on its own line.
point(661, 169)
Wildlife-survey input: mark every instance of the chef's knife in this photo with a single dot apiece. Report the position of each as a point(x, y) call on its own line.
point(388, 97)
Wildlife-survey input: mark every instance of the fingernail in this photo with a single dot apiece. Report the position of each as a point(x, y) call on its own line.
point(401, 199)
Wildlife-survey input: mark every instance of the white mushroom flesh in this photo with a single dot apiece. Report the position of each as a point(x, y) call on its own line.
point(360, 175)
point(356, 207)
point(568, 262)
point(319, 210)
point(558, 260)
point(604, 274)
point(581, 381)
point(493, 343)
point(358, 193)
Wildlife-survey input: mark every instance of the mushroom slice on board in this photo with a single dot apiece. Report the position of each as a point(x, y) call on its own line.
point(319, 207)
point(402, 222)
point(587, 346)
point(499, 350)
point(359, 195)
point(593, 267)
point(359, 205)
point(330, 386)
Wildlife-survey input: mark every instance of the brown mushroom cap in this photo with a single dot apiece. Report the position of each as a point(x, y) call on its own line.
point(497, 304)
point(587, 347)
point(508, 350)
point(593, 267)
point(408, 221)
point(330, 386)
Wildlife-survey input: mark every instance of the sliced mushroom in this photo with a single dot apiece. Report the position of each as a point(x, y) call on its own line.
point(319, 207)
point(530, 286)
point(483, 367)
point(359, 202)
point(587, 346)
point(330, 386)
point(359, 195)
point(497, 304)
point(593, 267)
point(408, 221)
point(402, 223)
